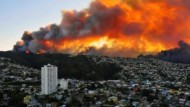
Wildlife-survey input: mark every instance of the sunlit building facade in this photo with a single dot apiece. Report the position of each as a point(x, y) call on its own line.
point(49, 79)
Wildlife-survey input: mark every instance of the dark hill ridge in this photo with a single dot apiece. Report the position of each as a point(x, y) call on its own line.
point(178, 55)
point(87, 67)
point(79, 67)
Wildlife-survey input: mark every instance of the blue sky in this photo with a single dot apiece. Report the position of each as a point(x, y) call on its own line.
point(16, 16)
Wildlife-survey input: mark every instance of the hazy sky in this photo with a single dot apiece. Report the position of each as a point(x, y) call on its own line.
point(16, 16)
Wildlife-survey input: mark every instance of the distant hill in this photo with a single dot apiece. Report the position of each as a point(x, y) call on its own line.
point(86, 67)
point(79, 67)
point(181, 54)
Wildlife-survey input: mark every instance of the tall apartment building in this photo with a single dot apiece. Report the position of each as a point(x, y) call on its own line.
point(49, 79)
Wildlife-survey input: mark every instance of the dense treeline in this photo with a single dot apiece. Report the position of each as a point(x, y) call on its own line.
point(78, 67)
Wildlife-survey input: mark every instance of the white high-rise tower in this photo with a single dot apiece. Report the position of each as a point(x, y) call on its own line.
point(49, 79)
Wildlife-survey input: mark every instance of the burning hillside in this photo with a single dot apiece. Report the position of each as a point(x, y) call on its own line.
point(123, 28)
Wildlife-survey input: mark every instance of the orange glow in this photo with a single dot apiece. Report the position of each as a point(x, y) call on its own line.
point(122, 28)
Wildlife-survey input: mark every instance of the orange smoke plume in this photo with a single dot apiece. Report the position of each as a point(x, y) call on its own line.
point(123, 28)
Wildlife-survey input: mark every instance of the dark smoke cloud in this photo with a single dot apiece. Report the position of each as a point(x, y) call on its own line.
point(51, 32)
point(133, 28)
point(27, 36)
point(179, 55)
point(39, 35)
point(74, 24)
point(26, 39)
point(115, 22)
point(32, 41)
point(101, 20)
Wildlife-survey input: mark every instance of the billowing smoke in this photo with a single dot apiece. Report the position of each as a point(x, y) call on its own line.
point(179, 55)
point(115, 28)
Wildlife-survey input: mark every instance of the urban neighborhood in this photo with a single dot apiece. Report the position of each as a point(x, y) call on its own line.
point(143, 83)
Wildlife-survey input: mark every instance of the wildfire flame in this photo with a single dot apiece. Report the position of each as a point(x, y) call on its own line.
point(116, 28)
